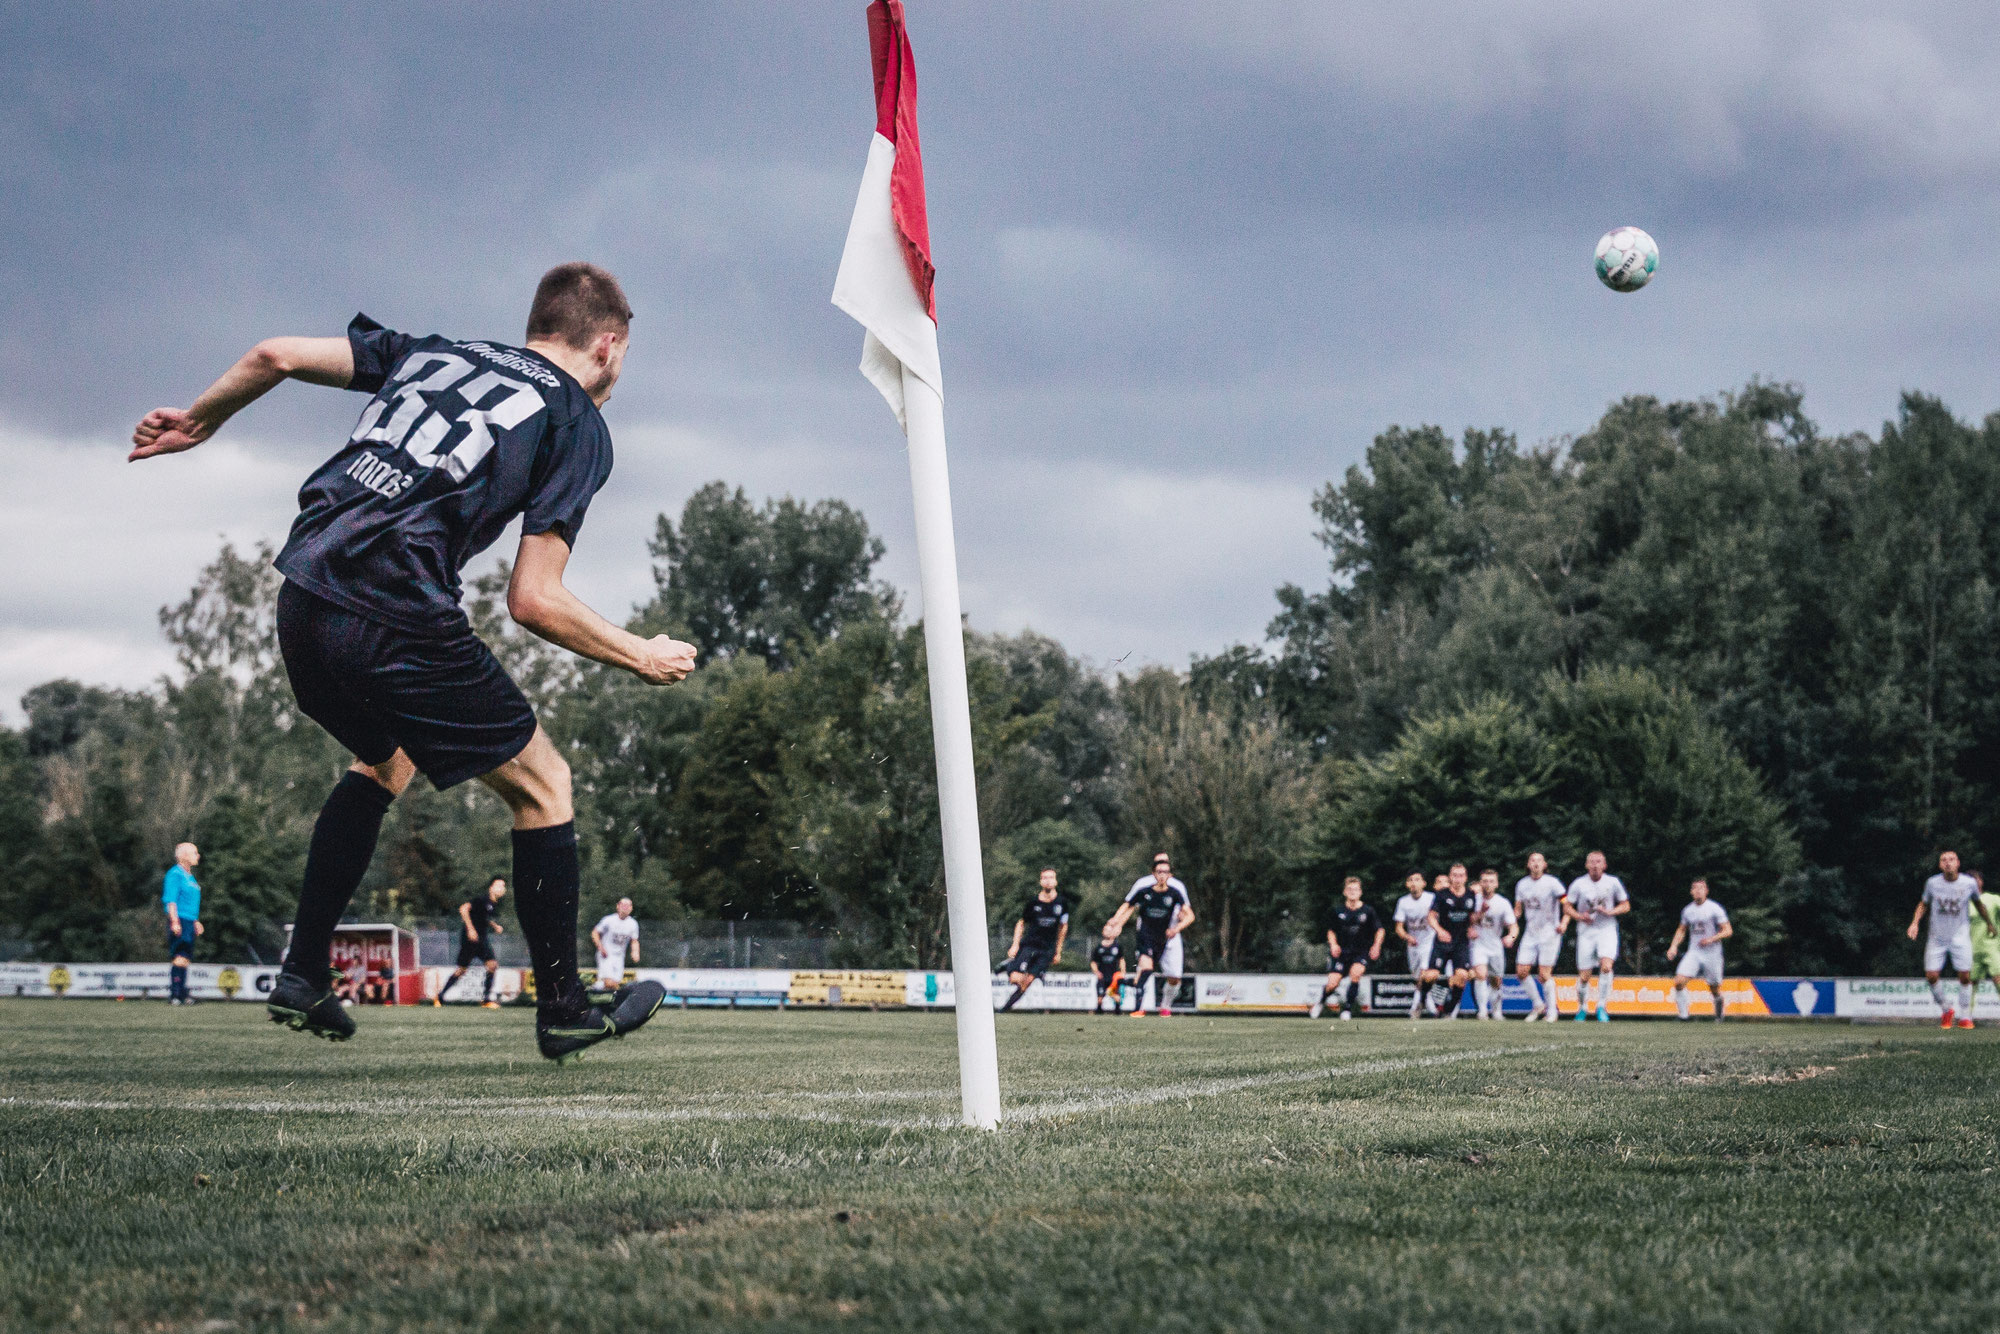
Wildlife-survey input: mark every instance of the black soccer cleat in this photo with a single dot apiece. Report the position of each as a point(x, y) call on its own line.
point(635, 1004)
point(564, 1040)
point(295, 1004)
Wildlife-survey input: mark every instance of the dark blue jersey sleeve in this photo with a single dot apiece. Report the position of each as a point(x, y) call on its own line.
point(575, 461)
point(376, 352)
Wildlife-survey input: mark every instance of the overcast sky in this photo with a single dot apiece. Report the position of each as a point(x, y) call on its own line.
point(1192, 259)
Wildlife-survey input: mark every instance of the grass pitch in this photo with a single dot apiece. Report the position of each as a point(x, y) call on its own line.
point(166, 1169)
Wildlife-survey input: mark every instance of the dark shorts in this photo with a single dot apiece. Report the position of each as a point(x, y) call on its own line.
point(1034, 962)
point(1106, 981)
point(473, 950)
point(1347, 961)
point(181, 946)
point(1152, 947)
point(445, 701)
point(1452, 955)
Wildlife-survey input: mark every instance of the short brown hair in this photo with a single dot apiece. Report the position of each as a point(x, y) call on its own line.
point(576, 302)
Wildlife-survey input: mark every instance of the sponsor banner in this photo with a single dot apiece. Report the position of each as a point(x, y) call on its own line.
point(847, 987)
point(136, 981)
point(1788, 996)
point(1639, 996)
point(724, 986)
point(471, 989)
point(1054, 991)
point(1905, 998)
point(1269, 992)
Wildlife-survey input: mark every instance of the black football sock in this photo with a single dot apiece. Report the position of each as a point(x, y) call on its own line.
point(343, 843)
point(177, 980)
point(546, 885)
point(1453, 997)
point(489, 984)
point(449, 983)
point(1019, 992)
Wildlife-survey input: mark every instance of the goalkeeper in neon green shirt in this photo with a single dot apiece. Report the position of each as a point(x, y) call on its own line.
point(1986, 939)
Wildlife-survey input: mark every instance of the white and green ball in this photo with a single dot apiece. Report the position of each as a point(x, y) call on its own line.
point(1626, 258)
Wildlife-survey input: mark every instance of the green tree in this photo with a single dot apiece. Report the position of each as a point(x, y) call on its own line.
point(1228, 793)
point(737, 579)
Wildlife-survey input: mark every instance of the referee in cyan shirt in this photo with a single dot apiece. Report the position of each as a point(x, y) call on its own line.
point(181, 897)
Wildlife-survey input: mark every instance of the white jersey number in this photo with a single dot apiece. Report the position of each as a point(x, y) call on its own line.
point(422, 443)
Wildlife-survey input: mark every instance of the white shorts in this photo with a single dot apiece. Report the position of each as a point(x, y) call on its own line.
point(610, 972)
point(1491, 953)
point(1594, 942)
point(1420, 958)
point(1702, 961)
point(1958, 948)
point(1539, 951)
point(1171, 958)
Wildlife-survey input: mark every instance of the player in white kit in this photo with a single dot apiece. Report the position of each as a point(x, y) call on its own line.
point(1951, 899)
point(1412, 920)
point(614, 933)
point(1538, 904)
point(1595, 902)
point(1704, 926)
point(1493, 933)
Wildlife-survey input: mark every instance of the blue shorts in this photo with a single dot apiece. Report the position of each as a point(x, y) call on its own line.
point(444, 700)
point(181, 946)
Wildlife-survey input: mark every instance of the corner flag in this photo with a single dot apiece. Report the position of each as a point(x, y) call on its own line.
point(886, 282)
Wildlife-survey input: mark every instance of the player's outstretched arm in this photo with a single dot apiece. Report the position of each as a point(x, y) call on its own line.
point(327, 361)
point(1119, 918)
point(538, 602)
point(1916, 921)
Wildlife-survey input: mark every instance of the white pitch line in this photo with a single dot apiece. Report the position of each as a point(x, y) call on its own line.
point(590, 1108)
point(1209, 1088)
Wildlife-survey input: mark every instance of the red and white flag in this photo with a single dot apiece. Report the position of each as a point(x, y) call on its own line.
point(886, 275)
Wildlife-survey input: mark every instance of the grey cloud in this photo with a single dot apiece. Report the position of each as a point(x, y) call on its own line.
point(1186, 254)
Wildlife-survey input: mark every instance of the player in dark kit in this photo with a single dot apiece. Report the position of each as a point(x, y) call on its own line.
point(1161, 905)
point(1107, 961)
point(1451, 917)
point(480, 922)
point(1353, 941)
point(1038, 937)
point(457, 439)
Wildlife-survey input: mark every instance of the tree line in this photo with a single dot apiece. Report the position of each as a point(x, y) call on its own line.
point(1703, 637)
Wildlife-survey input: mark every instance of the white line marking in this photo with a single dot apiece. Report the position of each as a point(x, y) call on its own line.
point(1209, 1088)
point(593, 1107)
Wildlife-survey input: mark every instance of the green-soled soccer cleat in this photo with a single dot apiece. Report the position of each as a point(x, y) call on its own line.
point(297, 1005)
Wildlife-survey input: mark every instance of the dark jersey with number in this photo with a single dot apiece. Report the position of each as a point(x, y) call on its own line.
point(1156, 908)
point(1355, 929)
point(1044, 923)
point(482, 910)
point(1108, 958)
point(458, 439)
point(1454, 911)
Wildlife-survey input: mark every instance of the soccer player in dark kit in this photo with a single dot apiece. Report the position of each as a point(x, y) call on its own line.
point(1451, 917)
point(1353, 940)
point(1107, 961)
point(456, 440)
point(479, 916)
point(1038, 937)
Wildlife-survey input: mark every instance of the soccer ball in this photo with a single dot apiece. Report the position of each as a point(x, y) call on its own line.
point(1626, 258)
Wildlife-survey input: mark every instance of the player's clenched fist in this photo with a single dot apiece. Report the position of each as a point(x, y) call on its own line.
point(166, 431)
point(667, 660)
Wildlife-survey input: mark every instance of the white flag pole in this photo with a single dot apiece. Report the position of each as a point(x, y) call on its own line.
point(951, 731)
